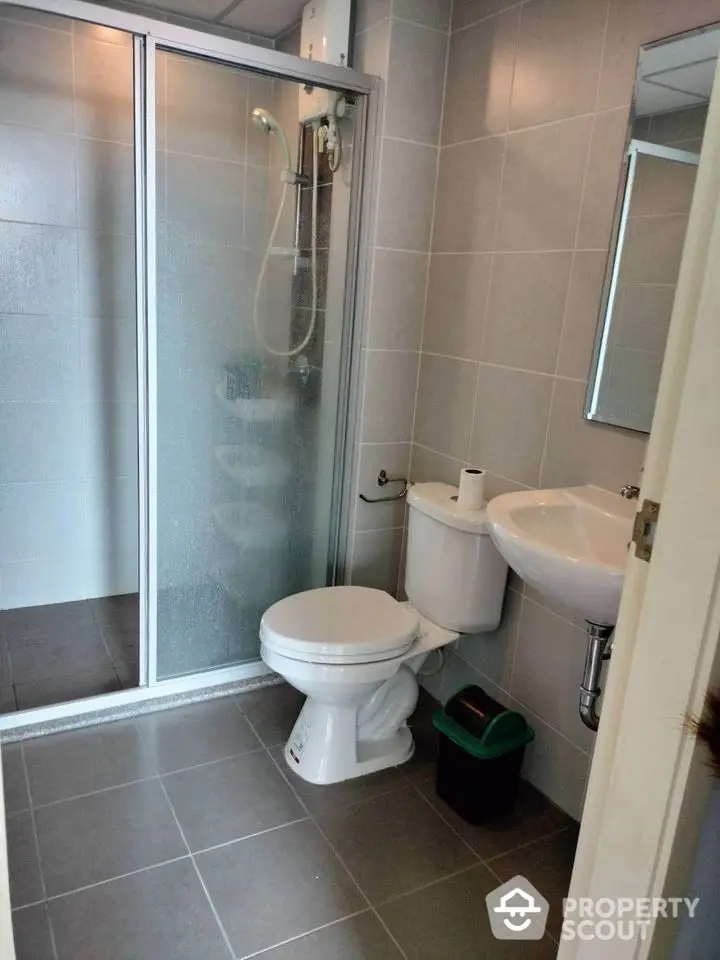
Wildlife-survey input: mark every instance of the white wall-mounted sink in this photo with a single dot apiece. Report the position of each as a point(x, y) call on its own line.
point(570, 544)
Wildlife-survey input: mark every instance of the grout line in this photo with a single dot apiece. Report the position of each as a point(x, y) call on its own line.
point(527, 843)
point(94, 793)
point(338, 857)
point(249, 836)
point(497, 13)
point(450, 827)
point(535, 126)
point(301, 936)
point(413, 143)
point(501, 366)
point(422, 26)
point(122, 876)
point(432, 883)
point(447, 456)
point(197, 872)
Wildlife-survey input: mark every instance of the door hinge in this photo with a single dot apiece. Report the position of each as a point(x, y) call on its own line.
point(644, 529)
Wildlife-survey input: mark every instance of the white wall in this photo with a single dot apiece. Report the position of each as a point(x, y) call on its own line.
point(68, 447)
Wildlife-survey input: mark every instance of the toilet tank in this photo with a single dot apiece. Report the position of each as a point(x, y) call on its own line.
point(454, 574)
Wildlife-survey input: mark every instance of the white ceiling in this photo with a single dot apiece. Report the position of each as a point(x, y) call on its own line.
point(265, 18)
point(677, 74)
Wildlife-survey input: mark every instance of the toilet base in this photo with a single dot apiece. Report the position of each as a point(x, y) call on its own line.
point(323, 747)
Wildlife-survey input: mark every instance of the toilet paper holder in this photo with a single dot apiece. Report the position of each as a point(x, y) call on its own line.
point(382, 480)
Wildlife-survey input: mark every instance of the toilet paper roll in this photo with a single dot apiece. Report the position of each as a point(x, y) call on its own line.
point(471, 489)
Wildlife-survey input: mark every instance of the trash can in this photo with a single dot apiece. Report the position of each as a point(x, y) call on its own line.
point(481, 749)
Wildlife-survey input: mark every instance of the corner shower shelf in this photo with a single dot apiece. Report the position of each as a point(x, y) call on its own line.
point(257, 409)
point(251, 465)
point(250, 526)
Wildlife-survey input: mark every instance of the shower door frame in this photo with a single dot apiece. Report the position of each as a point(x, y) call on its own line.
point(149, 35)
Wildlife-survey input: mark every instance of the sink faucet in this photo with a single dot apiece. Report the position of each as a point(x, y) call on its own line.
point(630, 491)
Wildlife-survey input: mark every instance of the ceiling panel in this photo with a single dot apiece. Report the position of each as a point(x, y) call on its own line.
point(197, 9)
point(651, 98)
point(696, 78)
point(265, 17)
point(676, 53)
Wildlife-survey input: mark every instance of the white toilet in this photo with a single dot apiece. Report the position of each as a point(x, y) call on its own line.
point(355, 651)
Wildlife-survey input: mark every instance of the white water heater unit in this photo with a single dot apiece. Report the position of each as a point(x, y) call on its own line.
point(324, 36)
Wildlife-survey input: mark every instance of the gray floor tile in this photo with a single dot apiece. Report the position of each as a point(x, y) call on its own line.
point(31, 930)
point(548, 865)
point(56, 618)
point(14, 781)
point(105, 835)
point(272, 711)
point(231, 799)
point(534, 817)
point(25, 883)
point(394, 843)
point(8, 703)
point(118, 619)
point(44, 658)
point(359, 938)
point(423, 763)
point(63, 688)
point(82, 761)
point(323, 799)
point(6, 676)
point(186, 736)
point(158, 914)
point(279, 885)
point(449, 919)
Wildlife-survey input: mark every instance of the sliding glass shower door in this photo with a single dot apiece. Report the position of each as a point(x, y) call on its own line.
point(252, 240)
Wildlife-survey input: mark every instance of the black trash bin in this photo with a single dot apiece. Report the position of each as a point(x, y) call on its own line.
point(481, 749)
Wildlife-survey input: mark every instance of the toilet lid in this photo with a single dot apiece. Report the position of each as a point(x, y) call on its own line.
point(339, 625)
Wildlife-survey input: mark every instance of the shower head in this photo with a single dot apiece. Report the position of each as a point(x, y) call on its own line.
point(265, 120)
point(268, 124)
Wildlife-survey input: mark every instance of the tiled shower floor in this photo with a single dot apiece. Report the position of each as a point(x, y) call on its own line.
point(182, 836)
point(66, 651)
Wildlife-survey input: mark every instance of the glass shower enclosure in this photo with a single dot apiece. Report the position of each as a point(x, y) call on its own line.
point(246, 237)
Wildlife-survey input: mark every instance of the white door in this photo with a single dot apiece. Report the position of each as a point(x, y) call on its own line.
point(649, 786)
point(7, 950)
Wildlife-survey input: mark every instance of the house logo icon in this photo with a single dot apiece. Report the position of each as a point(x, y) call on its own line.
point(517, 911)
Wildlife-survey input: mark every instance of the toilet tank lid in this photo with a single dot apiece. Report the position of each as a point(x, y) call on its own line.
point(436, 500)
point(340, 621)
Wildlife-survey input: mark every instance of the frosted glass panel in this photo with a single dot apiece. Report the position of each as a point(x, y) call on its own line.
point(246, 422)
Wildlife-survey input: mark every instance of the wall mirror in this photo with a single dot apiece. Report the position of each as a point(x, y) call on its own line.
point(672, 90)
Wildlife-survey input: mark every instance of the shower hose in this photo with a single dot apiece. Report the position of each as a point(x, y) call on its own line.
point(293, 351)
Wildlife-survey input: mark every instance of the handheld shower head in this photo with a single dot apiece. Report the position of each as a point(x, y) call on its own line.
point(263, 119)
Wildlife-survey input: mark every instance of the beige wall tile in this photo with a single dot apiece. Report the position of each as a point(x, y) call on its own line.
point(429, 466)
point(542, 186)
point(620, 56)
point(643, 316)
point(511, 416)
point(394, 458)
point(467, 196)
point(548, 669)
point(390, 383)
point(414, 93)
point(661, 187)
point(372, 49)
point(582, 313)
point(492, 653)
point(407, 179)
point(653, 249)
point(525, 309)
point(397, 300)
point(376, 559)
point(678, 125)
point(559, 51)
point(370, 12)
point(664, 18)
point(456, 301)
point(470, 11)
point(446, 392)
point(480, 71)
point(602, 182)
point(429, 13)
point(578, 451)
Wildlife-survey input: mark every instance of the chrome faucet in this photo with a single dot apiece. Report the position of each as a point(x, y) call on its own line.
point(630, 491)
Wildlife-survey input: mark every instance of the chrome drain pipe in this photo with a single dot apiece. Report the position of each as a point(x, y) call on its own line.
point(599, 649)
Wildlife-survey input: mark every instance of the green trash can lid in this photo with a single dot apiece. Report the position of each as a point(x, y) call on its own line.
point(499, 731)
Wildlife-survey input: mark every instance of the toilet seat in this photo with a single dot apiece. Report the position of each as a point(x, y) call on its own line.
point(339, 625)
